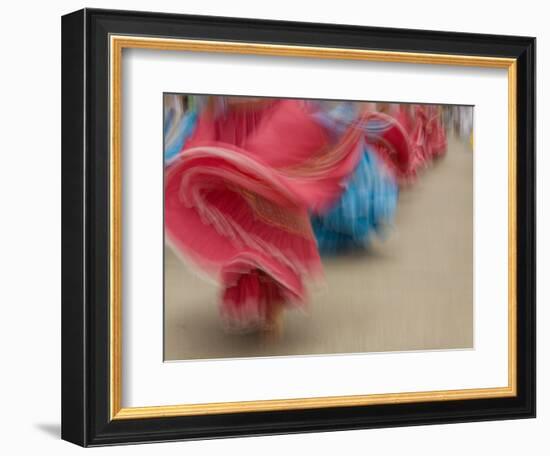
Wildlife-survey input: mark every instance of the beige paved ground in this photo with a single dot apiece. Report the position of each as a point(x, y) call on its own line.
point(412, 291)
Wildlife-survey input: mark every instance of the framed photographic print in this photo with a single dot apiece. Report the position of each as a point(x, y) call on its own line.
point(279, 227)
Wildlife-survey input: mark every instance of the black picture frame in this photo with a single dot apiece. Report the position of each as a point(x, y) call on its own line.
point(85, 228)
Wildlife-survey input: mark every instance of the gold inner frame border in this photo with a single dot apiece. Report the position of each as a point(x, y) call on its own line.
point(116, 45)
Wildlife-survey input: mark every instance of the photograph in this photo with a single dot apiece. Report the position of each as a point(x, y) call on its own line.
point(313, 227)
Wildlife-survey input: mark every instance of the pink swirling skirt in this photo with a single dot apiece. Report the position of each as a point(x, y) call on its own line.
point(238, 197)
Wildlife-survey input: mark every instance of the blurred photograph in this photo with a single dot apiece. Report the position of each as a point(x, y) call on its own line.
point(298, 227)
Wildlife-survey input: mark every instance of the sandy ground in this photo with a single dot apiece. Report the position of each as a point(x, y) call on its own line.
point(410, 291)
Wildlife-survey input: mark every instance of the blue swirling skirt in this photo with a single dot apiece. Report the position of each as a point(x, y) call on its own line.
point(367, 206)
point(183, 127)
